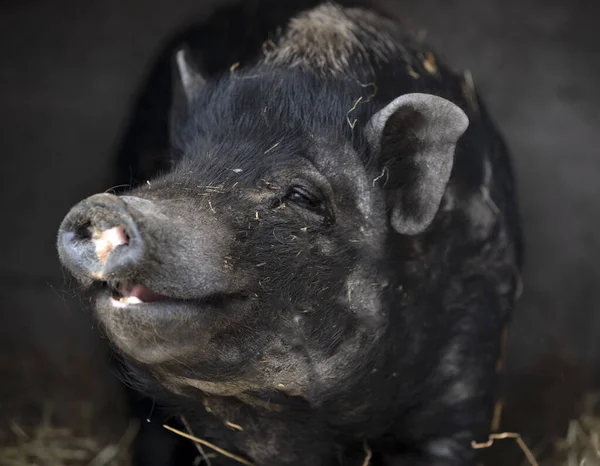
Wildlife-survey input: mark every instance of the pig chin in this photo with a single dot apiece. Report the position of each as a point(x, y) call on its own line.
point(152, 328)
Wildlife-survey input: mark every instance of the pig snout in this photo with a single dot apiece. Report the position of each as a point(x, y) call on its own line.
point(100, 239)
point(146, 250)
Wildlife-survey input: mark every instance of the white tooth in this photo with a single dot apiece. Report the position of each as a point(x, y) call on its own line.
point(133, 300)
point(118, 303)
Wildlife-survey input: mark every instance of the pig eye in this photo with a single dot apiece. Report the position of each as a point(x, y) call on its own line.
point(303, 198)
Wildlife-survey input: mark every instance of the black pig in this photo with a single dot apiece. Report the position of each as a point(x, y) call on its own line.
point(322, 271)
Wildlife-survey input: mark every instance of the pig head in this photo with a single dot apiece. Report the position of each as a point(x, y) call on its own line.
point(271, 257)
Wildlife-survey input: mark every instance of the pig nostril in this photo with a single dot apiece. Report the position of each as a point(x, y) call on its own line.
point(84, 232)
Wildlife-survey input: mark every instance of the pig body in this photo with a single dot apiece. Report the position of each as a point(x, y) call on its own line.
point(323, 268)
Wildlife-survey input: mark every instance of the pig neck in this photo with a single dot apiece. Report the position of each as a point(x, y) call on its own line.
point(274, 428)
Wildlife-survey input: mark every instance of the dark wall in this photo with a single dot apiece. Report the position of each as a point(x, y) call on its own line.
point(68, 76)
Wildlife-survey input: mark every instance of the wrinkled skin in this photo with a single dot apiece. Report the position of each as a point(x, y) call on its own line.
point(281, 276)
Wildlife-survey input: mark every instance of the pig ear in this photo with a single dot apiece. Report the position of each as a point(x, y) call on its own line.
point(187, 84)
point(189, 80)
point(414, 138)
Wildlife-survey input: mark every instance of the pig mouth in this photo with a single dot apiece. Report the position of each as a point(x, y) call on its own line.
point(129, 295)
point(123, 295)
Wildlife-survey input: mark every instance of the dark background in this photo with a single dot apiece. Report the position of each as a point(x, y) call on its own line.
point(68, 76)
